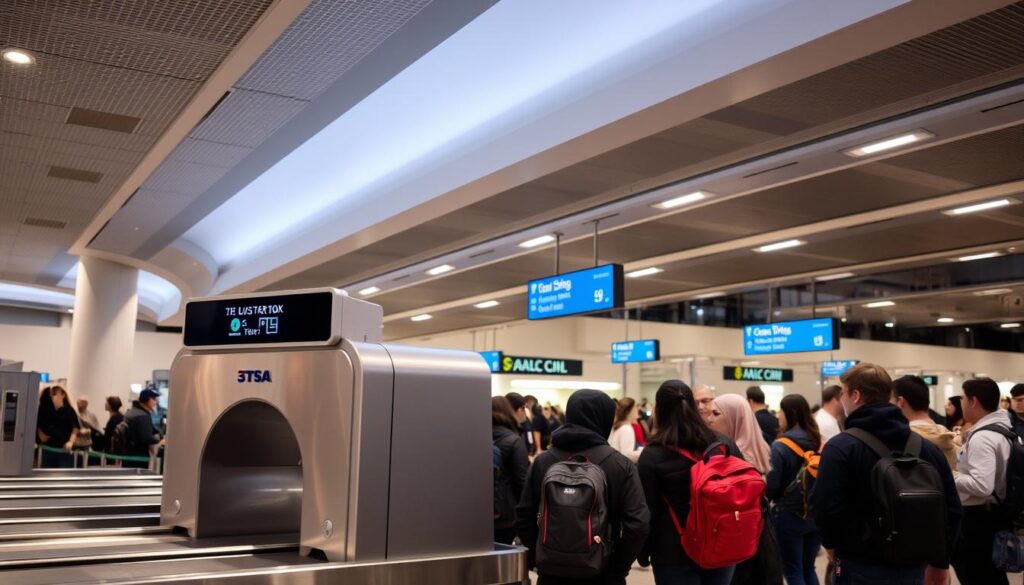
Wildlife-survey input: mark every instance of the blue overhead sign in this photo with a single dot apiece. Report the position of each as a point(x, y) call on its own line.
point(837, 368)
point(791, 337)
point(642, 350)
point(493, 359)
point(575, 293)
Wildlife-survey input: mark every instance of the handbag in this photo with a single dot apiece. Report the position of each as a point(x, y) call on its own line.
point(1008, 551)
point(765, 567)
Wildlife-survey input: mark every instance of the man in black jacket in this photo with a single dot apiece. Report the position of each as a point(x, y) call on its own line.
point(589, 415)
point(141, 432)
point(768, 422)
point(842, 500)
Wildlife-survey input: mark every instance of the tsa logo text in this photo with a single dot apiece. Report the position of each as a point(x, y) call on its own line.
point(254, 376)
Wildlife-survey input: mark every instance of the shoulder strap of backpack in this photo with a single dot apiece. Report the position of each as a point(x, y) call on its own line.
point(595, 455)
point(1010, 435)
point(792, 446)
point(871, 441)
point(914, 444)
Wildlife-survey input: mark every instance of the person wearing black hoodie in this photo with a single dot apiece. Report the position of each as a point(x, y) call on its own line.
point(515, 464)
point(589, 415)
point(842, 502)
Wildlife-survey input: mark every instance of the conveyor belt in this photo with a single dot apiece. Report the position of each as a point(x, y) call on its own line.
point(102, 505)
point(23, 493)
point(79, 484)
point(76, 551)
point(53, 527)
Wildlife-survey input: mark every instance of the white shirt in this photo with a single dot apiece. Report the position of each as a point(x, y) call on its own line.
point(828, 426)
point(981, 466)
point(623, 440)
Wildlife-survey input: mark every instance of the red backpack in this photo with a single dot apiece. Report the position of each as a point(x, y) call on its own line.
point(724, 525)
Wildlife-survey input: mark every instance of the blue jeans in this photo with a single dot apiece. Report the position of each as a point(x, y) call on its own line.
point(859, 573)
point(798, 545)
point(692, 575)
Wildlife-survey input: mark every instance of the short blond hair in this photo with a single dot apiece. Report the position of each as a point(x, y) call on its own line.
point(871, 380)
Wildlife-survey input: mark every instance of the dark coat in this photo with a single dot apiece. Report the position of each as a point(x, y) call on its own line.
point(665, 473)
point(842, 501)
point(589, 417)
point(785, 466)
point(514, 460)
point(141, 433)
point(1017, 424)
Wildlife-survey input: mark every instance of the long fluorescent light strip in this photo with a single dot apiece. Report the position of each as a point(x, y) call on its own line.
point(487, 304)
point(643, 272)
point(1009, 325)
point(979, 207)
point(945, 320)
point(369, 291)
point(440, 269)
point(683, 200)
point(780, 246)
point(539, 241)
point(879, 304)
point(993, 291)
point(423, 317)
point(979, 256)
point(888, 143)
point(839, 276)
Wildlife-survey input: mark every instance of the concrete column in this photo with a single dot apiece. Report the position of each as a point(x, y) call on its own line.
point(103, 330)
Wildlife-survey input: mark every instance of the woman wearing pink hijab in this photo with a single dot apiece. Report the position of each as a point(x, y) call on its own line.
point(734, 419)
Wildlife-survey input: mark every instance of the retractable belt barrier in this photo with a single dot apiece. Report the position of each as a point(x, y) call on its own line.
point(154, 463)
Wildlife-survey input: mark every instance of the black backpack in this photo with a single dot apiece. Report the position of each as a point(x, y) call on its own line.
point(574, 529)
point(504, 502)
point(118, 442)
point(1013, 504)
point(910, 527)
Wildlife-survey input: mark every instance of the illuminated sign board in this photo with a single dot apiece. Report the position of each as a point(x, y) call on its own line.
point(930, 379)
point(493, 359)
point(837, 368)
point(642, 350)
point(791, 337)
point(517, 364)
point(576, 293)
point(745, 374)
point(295, 318)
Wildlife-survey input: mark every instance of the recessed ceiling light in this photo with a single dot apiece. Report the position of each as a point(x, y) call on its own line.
point(487, 304)
point(644, 272)
point(18, 57)
point(889, 143)
point(980, 207)
point(440, 269)
point(839, 276)
point(993, 291)
point(369, 291)
point(682, 200)
point(978, 256)
point(539, 241)
point(1009, 325)
point(71, 310)
point(889, 324)
point(945, 320)
point(879, 304)
point(423, 317)
point(780, 246)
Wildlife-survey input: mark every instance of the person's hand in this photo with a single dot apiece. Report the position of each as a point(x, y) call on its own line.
point(68, 446)
point(933, 576)
point(163, 442)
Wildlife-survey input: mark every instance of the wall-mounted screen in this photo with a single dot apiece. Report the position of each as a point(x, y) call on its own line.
point(576, 293)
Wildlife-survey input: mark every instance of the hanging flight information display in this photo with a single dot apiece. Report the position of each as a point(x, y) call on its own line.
point(294, 318)
point(641, 350)
point(493, 359)
point(576, 293)
point(837, 368)
point(791, 337)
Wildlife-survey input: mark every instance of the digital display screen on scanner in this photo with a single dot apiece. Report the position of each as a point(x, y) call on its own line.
point(271, 319)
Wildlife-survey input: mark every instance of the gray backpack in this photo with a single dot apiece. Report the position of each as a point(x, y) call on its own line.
point(574, 530)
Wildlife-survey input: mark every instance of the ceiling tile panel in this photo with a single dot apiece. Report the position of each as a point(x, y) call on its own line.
point(247, 118)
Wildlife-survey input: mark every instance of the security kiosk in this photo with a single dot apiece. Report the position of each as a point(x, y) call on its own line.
point(19, 401)
point(290, 416)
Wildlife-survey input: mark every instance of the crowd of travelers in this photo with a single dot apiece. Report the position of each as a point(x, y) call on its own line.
point(713, 490)
point(64, 430)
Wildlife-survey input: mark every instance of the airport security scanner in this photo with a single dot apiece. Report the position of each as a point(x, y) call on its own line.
point(300, 449)
point(19, 400)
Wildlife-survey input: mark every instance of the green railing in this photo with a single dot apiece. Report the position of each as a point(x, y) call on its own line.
point(154, 463)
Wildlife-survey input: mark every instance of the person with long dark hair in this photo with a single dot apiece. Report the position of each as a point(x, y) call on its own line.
point(665, 475)
point(954, 412)
point(512, 473)
point(789, 488)
point(58, 427)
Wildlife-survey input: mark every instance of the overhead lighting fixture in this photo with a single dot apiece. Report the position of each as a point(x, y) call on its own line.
point(945, 320)
point(993, 291)
point(980, 207)
point(978, 256)
point(838, 276)
point(539, 241)
point(889, 143)
point(711, 295)
point(369, 291)
point(1009, 325)
point(780, 246)
point(889, 324)
point(71, 310)
point(644, 272)
point(682, 200)
point(487, 304)
point(423, 317)
point(18, 57)
point(879, 304)
point(440, 269)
